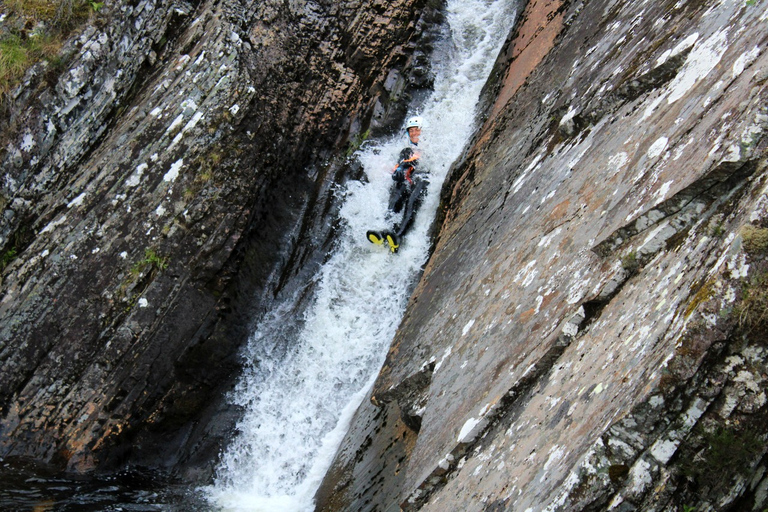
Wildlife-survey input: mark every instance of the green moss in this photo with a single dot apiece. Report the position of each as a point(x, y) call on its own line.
point(754, 240)
point(7, 257)
point(140, 276)
point(355, 143)
point(17, 242)
point(717, 230)
point(705, 292)
point(206, 172)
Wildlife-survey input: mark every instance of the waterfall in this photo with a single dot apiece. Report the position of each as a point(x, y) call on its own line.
point(307, 376)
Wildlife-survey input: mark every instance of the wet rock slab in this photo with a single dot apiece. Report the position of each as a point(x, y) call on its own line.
point(570, 336)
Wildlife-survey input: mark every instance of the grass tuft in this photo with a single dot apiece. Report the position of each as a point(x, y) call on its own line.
point(152, 262)
point(36, 31)
point(630, 263)
point(726, 452)
point(752, 310)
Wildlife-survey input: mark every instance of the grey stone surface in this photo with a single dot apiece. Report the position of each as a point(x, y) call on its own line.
point(155, 194)
point(584, 294)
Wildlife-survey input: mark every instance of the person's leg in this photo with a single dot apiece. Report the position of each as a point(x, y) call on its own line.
point(398, 195)
point(411, 207)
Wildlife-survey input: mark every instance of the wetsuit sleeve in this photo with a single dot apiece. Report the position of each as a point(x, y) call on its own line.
point(409, 159)
point(399, 173)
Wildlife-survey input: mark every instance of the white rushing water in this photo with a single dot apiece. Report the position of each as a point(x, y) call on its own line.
point(307, 377)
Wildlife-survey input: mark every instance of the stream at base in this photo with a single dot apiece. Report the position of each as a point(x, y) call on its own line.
point(29, 487)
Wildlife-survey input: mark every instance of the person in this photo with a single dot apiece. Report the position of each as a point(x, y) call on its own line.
point(408, 189)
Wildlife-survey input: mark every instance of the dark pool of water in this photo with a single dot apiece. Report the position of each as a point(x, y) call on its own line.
point(29, 487)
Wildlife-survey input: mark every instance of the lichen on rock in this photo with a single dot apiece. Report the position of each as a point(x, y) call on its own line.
point(613, 202)
point(152, 188)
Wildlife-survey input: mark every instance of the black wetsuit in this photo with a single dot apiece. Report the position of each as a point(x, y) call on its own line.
point(408, 191)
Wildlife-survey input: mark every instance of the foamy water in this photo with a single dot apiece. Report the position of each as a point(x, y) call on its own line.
point(307, 377)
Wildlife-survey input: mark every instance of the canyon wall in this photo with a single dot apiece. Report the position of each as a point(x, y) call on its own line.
point(162, 184)
point(589, 333)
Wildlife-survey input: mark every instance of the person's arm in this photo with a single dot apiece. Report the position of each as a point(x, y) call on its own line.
point(401, 172)
point(409, 156)
point(408, 161)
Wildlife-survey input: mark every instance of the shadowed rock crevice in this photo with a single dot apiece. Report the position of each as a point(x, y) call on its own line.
point(495, 418)
point(411, 396)
point(570, 123)
point(674, 216)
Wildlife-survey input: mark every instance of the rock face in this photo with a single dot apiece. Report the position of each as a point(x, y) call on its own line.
point(589, 333)
point(154, 194)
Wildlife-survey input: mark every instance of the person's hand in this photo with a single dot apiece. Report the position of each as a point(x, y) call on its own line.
point(399, 174)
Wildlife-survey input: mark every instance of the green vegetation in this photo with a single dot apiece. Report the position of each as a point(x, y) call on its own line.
point(17, 55)
point(717, 230)
point(152, 262)
point(13, 56)
point(754, 239)
point(205, 173)
point(141, 275)
point(35, 30)
point(726, 452)
point(630, 263)
point(7, 257)
point(62, 15)
point(752, 310)
point(16, 244)
point(355, 143)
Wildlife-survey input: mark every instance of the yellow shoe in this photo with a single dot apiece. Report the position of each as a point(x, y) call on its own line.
point(393, 241)
point(375, 237)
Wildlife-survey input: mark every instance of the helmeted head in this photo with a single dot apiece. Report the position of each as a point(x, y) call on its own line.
point(414, 122)
point(413, 128)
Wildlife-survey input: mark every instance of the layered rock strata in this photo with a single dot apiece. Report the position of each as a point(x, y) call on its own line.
point(159, 193)
point(589, 332)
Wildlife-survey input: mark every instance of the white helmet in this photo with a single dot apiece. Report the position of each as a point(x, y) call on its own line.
point(414, 121)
